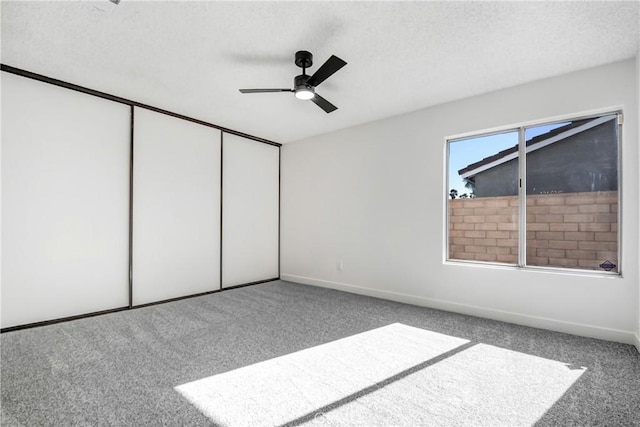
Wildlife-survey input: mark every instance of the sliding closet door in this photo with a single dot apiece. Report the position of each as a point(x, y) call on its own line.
point(176, 208)
point(250, 211)
point(65, 202)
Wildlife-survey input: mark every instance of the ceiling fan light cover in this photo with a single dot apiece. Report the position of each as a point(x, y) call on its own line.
point(304, 93)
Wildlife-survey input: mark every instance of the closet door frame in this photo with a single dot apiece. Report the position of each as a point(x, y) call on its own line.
point(70, 86)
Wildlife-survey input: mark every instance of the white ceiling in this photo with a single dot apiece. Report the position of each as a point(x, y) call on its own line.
point(192, 57)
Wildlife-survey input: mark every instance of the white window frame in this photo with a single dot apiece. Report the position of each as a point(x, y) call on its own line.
point(522, 211)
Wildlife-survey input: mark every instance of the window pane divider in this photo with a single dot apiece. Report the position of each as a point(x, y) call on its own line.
point(522, 200)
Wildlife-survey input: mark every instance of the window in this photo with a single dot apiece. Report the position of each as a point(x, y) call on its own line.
point(543, 196)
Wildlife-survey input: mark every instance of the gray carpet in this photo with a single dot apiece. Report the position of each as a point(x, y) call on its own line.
point(282, 353)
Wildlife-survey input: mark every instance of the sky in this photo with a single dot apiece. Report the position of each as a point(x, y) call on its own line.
point(467, 151)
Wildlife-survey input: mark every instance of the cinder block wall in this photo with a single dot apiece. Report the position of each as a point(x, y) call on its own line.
point(573, 230)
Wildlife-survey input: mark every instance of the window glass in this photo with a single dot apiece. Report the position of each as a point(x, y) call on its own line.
point(572, 194)
point(483, 198)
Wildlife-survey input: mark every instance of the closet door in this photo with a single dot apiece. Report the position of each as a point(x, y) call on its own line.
point(176, 208)
point(65, 202)
point(250, 201)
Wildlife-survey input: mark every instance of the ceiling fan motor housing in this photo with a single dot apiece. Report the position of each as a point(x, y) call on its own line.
point(301, 82)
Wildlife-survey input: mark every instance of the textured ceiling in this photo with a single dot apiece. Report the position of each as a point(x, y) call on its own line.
point(192, 57)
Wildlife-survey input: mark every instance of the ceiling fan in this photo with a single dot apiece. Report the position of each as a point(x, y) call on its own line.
point(304, 86)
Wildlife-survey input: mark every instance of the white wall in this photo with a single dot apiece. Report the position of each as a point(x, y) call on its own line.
point(372, 197)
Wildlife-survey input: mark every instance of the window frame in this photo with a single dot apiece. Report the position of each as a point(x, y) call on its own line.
point(521, 128)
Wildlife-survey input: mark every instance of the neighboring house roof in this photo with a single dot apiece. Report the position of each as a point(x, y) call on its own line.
point(540, 141)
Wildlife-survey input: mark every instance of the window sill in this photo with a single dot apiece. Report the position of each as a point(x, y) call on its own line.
point(536, 269)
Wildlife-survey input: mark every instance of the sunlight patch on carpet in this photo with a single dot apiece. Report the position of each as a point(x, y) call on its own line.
point(384, 376)
point(480, 386)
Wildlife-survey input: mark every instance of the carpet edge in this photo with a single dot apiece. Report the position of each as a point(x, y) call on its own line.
point(590, 331)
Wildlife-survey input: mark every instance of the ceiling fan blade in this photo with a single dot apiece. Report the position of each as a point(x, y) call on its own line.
point(325, 71)
point(264, 90)
point(323, 103)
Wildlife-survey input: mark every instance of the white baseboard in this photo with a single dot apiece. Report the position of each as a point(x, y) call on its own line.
point(590, 331)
